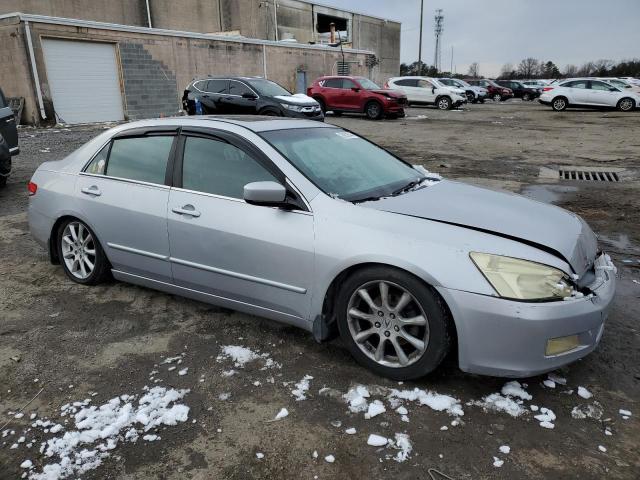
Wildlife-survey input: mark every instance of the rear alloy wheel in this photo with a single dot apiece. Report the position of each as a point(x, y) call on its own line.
point(373, 110)
point(80, 253)
point(471, 97)
point(444, 103)
point(392, 323)
point(559, 104)
point(526, 97)
point(497, 97)
point(626, 104)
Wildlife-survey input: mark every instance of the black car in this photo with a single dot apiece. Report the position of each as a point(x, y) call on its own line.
point(8, 139)
point(520, 90)
point(247, 96)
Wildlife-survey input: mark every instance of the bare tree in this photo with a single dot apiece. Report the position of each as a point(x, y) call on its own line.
point(570, 71)
point(601, 67)
point(529, 68)
point(507, 70)
point(474, 70)
point(587, 69)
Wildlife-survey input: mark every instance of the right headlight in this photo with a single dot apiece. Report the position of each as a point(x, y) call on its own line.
point(521, 279)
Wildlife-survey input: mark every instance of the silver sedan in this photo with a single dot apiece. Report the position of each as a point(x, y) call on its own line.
point(317, 227)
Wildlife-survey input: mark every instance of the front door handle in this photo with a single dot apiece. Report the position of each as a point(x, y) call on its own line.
point(92, 190)
point(186, 210)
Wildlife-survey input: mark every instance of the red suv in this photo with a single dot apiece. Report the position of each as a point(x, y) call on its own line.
point(357, 94)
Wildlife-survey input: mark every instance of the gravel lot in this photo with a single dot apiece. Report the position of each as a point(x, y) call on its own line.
point(78, 342)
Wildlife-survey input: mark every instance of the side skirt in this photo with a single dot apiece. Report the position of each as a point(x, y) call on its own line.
point(213, 299)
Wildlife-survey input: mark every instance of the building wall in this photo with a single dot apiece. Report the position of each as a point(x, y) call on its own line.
point(382, 37)
point(15, 75)
point(156, 68)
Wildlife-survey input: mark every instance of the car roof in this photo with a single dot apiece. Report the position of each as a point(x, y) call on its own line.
point(227, 77)
point(255, 123)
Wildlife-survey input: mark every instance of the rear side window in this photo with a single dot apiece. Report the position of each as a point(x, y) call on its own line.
point(214, 166)
point(217, 86)
point(99, 161)
point(575, 84)
point(600, 86)
point(141, 158)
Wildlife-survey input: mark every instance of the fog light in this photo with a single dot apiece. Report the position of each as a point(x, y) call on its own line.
point(559, 345)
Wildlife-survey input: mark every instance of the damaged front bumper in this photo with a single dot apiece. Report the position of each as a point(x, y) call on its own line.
point(508, 338)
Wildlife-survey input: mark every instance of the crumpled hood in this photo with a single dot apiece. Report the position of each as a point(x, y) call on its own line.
point(298, 99)
point(390, 93)
point(503, 213)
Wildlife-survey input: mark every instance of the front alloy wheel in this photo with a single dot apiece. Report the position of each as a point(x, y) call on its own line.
point(373, 110)
point(526, 97)
point(559, 104)
point(497, 97)
point(444, 103)
point(393, 323)
point(626, 105)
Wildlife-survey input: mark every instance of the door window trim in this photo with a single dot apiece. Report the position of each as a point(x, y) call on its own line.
point(241, 143)
point(169, 131)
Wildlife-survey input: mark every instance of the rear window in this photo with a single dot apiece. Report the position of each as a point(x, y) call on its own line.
point(407, 82)
point(141, 158)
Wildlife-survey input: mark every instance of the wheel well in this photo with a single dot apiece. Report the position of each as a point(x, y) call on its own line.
point(560, 96)
point(269, 108)
point(373, 100)
point(329, 328)
point(627, 98)
point(53, 238)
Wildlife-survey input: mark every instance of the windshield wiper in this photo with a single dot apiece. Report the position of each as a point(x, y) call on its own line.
point(367, 199)
point(408, 186)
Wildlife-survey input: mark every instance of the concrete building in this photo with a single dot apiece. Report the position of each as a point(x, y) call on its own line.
point(76, 61)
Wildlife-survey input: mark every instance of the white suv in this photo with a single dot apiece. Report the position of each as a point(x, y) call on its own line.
point(588, 92)
point(428, 91)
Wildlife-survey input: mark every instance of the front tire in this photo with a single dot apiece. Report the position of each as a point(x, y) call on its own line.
point(392, 323)
point(526, 97)
point(559, 104)
point(81, 254)
point(497, 97)
point(444, 103)
point(626, 104)
point(471, 98)
point(373, 111)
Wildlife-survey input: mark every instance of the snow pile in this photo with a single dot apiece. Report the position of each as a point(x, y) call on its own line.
point(546, 418)
point(356, 397)
point(433, 400)
point(98, 429)
point(509, 400)
point(282, 413)
point(242, 355)
point(375, 408)
point(625, 414)
point(505, 449)
point(497, 462)
point(301, 388)
point(594, 411)
point(403, 444)
point(584, 393)
point(377, 440)
point(557, 378)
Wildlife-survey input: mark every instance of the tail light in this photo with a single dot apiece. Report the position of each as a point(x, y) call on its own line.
point(546, 89)
point(32, 188)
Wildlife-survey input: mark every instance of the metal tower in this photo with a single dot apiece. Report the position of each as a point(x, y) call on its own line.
point(439, 26)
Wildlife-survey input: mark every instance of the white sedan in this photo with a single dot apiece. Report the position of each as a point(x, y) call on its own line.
point(587, 92)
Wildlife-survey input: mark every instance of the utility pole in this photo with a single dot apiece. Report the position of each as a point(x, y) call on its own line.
point(439, 21)
point(420, 42)
point(451, 69)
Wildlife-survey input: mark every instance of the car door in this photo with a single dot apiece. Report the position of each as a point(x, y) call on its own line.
point(225, 247)
point(602, 93)
point(333, 93)
point(237, 101)
point(578, 92)
point(123, 195)
point(8, 128)
point(408, 86)
point(352, 97)
point(427, 91)
point(212, 98)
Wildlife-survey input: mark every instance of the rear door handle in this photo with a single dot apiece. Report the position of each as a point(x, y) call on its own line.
point(92, 190)
point(186, 210)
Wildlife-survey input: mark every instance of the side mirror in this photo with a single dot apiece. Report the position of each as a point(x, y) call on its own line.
point(269, 194)
point(613, 89)
point(355, 89)
point(249, 95)
point(433, 89)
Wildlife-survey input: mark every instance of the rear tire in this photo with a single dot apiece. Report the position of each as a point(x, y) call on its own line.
point(337, 113)
point(526, 97)
point(423, 320)
point(373, 110)
point(323, 107)
point(481, 100)
point(471, 98)
point(81, 254)
point(626, 104)
point(559, 104)
point(497, 97)
point(270, 112)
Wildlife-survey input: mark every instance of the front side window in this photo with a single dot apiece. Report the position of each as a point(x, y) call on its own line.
point(342, 164)
point(140, 158)
point(425, 84)
point(601, 86)
point(348, 84)
point(368, 84)
point(267, 88)
point(216, 167)
point(238, 88)
point(217, 86)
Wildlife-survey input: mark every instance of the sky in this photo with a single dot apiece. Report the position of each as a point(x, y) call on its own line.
point(495, 32)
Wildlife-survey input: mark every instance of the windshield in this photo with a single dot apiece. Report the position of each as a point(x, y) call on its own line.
point(618, 83)
point(436, 82)
point(461, 83)
point(342, 164)
point(267, 88)
point(367, 84)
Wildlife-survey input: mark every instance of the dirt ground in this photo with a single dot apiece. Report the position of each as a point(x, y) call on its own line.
point(74, 341)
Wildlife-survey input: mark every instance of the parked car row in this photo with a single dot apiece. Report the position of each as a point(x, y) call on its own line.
point(590, 93)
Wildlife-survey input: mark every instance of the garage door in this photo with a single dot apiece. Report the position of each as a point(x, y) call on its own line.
point(83, 80)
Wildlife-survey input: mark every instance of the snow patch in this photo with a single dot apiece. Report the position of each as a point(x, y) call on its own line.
point(584, 393)
point(301, 388)
point(377, 440)
point(433, 400)
point(375, 408)
point(282, 413)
